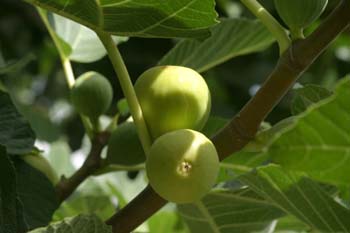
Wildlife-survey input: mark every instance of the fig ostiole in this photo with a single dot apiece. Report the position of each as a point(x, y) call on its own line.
point(182, 166)
point(172, 98)
point(124, 146)
point(91, 95)
point(38, 162)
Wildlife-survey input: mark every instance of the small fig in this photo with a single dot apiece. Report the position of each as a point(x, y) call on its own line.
point(124, 146)
point(171, 98)
point(38, 162)
point(298, 14)
point(182, 166)
point(92, 94)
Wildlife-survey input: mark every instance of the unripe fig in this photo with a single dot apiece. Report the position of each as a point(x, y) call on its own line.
point(124, 146)
point(38, 162)
point(182, 166)
point(92, 94)
point(298, 14)
point(171, 98)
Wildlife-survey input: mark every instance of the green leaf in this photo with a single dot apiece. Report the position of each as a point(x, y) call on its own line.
point(11, 213)
point(123, 107)
point(142, 18)
point(306, 96)
point(78, 224)
point(166, 221)
point(15, 132)
point(98, 204)
point(319, 140)
point(230, 38)
point(230, 211)
point(291, 224)
point(39, 120)
point(37, 195)
point(300, 196)
point(84, 45)
point(60, 158)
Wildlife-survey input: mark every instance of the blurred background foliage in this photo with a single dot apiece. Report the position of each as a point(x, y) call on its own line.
point(30, 68)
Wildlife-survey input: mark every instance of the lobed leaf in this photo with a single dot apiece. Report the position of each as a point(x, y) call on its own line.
point(230, 211)
point(140, 18)
point(230, 38)
point(306, 96)
point(298, 195)
point(319, 140)
point(78, 224)
point(84, 45)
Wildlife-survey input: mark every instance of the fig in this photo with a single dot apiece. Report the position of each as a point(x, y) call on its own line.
point(91, 94)
point(172, 98)
point(182, 166)
point(298, 14)
point(124, 146)
point(38, 162)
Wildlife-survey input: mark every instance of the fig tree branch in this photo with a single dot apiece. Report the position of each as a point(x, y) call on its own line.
point(243, 127)
point(66, 186)
point(291, 65)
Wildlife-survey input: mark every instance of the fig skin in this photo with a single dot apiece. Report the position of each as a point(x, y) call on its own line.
point(172, 98)
point(91, 94)
point(38, 162)
point(182, 166)
point(124, 146)
point(299, 14)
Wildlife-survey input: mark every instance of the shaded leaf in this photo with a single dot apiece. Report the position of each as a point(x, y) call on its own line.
point(300, 196)
point(15, 132)
point(37, 195)
point(229, 212)
point(306, 96)
point(141, 18)
point(16, 66)
point(230, 38)
point(98, 204)
point(78, 224)
point(11, 212)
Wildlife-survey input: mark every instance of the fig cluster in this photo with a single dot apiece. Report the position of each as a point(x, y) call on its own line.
point(183, 164)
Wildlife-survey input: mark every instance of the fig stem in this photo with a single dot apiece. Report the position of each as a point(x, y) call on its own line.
point(128, 89)
point(67, 67)
point(66, 64)
point(276, 29)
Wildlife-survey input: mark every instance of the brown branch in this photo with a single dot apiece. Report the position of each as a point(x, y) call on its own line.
point(146, 204)
point(93, 161)
point(243, 127)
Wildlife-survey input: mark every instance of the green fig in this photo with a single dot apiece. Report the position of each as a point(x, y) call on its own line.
point(124, 146)
point(171, 98)
point(182, 166)
point(298, 14)
point(91, 94)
